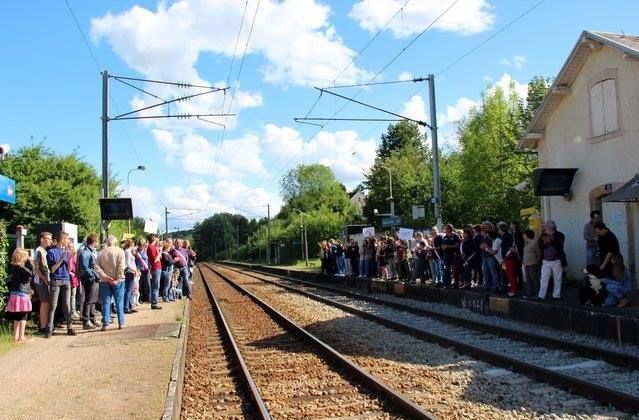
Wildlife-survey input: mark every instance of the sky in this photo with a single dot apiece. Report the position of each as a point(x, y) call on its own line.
point(271, 55)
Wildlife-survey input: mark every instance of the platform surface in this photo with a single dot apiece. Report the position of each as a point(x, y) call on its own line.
point(94, 375)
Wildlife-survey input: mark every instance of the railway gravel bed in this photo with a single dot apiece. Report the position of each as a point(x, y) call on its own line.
point(293, 380)
point(585, 368)
point(492, 320)
point(447, 383)
point(211, 385)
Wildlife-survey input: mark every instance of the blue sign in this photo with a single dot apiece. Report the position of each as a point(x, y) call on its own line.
point(7, 190)
point(391, 221)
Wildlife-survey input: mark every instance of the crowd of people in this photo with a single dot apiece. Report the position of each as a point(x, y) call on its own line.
point(499, 258)
point(72, 283)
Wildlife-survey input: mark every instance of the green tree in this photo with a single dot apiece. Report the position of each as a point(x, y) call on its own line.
point(311, 187)
point(216, 236)
point(52, 188)
point(403, 152)
point(489, 165)
point(537, 90)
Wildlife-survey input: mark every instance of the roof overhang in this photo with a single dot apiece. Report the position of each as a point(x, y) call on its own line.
point(627, 192)
point(561, 87)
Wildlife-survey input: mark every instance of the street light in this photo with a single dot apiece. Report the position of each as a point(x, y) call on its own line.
point(390, 187)
point(304, 237)
point(128, 176)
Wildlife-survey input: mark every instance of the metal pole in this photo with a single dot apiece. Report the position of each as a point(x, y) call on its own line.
point(268, 239)
point(302, 233)
point(105, 132)
point(306, 243)
point(105, 146)
point(166, 221)
point(435, 149)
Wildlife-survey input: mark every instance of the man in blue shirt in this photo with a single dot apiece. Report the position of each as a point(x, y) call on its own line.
point(60, 283)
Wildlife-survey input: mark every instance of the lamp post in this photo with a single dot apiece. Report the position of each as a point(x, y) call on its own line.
point(304, 237)
point(128, 177)
point(390, 188)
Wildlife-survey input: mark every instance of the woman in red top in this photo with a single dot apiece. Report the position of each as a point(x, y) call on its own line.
point(155, 266)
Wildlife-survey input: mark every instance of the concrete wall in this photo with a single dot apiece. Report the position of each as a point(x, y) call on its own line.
point(566, 144)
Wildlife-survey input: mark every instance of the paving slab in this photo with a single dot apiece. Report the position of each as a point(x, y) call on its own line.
point(94, 375)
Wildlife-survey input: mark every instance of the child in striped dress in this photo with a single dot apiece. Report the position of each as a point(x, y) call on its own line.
point(19, 305)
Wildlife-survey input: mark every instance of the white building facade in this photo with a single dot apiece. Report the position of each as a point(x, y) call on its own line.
point(589, 121)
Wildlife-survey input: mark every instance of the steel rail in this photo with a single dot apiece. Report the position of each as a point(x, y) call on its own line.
point(578, 386)
point(610, 356)
point(397, 399)
point(261, 411)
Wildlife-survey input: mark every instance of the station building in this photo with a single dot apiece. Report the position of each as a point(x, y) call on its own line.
point(586, 134)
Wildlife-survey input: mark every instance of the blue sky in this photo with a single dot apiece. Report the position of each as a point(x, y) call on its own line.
point(51, 86)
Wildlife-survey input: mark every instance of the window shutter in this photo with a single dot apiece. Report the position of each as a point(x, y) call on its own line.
point(596, 110)
point(609, 106)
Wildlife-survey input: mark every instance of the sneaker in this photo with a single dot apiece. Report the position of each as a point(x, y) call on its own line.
point(47, 334)
point(42, 331)
point(71, 331)
point(121, 327)
point(134, 311)
point(75, 315)
point(126, 312)
point(622, 302)
point(156, 307)
point(88, 326)
point(104, 328)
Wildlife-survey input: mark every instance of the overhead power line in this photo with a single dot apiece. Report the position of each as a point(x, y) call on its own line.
point(395, 57)
point(237, 80)
point(99, 67)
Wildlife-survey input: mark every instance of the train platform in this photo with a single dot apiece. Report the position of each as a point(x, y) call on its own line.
point(96, 375)
point(619, 324)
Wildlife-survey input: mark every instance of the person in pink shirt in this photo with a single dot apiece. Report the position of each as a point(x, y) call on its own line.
point(73, 275)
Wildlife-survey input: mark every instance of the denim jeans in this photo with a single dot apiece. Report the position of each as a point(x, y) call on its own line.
point(436, 270)
point(166, 284)
point(491, 272)
point(341, 265)
point(363, 267)
point(591, 256)
point(63, 292)
point(155, 286)
point(447, 268)
point(617, 289)
point(184, 280)
point(116, 292)
point(128, 291)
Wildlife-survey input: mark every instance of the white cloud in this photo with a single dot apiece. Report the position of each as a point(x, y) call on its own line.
point(403, 76)
point(414, 108)
point(506, 82)
point(458, 111)
point(191, 203)
point(295, 37)
point(343, 151)
point(466, 17)
point(516, 61)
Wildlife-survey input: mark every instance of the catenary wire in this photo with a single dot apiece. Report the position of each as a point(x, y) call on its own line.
point(364, 86)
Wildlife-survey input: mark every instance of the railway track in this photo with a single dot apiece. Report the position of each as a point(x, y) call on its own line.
point(214, 383)
point(290, 373)
point(600, 380)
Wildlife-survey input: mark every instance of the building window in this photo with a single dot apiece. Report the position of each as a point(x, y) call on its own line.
point(604, 105)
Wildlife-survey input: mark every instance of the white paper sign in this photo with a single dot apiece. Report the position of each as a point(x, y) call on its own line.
point(367, 232)
point(405, 234)
point(150, 226)
point(419, 212)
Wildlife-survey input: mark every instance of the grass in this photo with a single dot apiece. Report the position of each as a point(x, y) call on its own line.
point(6, 337)
point(314, 264)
